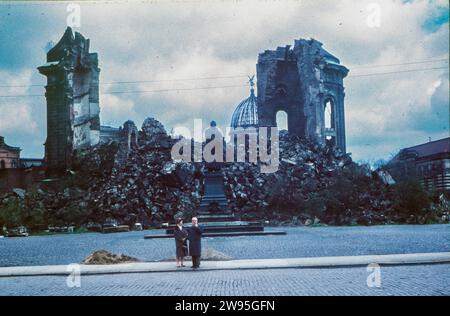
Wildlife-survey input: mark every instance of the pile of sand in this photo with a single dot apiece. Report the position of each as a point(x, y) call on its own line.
point(106, 257)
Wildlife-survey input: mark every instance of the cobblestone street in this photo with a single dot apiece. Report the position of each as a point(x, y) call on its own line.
point(299, 242)
point(424, 279)
point(395, 280)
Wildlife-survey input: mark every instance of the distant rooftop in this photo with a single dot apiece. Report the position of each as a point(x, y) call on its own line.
point(3, 145)
point(441, 146)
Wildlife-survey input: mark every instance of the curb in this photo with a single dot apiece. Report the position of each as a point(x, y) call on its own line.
point(311, 262)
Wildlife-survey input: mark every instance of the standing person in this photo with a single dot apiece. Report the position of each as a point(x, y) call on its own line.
point(195, 243)
point(181, 236)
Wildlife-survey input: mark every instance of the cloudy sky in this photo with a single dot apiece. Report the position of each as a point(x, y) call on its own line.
point(397, 92)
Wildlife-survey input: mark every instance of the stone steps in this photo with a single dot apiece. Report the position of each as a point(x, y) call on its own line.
point(222, 227)
point(223, 234)
point(216, 218)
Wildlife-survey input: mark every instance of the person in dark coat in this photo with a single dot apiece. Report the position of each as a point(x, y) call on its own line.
point(195, 243)
point(181, 236)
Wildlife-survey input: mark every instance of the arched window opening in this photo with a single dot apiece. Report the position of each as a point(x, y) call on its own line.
point(329, 122)
point(2, 164)
point(282, 120)
point(328, 114)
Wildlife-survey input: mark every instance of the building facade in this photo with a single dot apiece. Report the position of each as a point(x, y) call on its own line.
point(429, 163)
point(9, 156)
point(17, 172)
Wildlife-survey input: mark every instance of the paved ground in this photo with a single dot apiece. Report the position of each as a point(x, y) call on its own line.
point(299, 242)
point(395, 280)
point(248, 264)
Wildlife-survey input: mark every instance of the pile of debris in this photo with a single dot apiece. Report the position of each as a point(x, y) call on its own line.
point(314, 183)
point(140, 183)
point(106, 257)
point(147, 185)
point(110, 181)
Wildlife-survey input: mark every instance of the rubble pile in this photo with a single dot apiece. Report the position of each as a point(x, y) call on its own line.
point(106, 257)
point(147, 186)
point(126, 184)
point(314, 184)
point(144, 185)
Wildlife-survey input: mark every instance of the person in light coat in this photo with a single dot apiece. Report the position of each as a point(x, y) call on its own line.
point(195, 243)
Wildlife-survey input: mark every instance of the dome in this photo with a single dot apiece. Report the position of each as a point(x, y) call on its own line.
point(246, 113)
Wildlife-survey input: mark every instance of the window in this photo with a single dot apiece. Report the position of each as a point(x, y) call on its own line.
point(328, 122)
point(2, 164)
point(282, 120)
point(328, 114)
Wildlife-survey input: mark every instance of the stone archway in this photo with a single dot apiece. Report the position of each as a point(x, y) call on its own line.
point(282, 120)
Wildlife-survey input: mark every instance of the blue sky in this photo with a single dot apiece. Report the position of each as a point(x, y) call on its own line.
point(163, 40)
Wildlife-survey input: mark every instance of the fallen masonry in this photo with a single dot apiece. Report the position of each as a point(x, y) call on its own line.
point(308, 186)
point(106, 257)
point(315, 184)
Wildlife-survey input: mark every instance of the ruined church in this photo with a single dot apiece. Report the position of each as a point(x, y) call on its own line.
point(73, 107)
point(305, 81)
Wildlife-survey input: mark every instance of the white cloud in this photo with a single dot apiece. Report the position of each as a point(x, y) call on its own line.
point(16, 113)
point(165, 40)
point(114, 109)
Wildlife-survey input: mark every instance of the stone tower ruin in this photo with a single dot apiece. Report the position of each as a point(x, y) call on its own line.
point(307, 83)
point(72, 93)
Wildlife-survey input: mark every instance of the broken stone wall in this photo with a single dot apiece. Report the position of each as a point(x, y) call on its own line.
point(72, 93)
point(300, 81)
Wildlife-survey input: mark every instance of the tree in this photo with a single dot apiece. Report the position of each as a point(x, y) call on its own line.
point(11, 213)
point(410, 198)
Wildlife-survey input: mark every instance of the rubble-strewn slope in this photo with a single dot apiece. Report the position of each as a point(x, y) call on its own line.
point(147, 185)
point(142, 184)
point(312, 181)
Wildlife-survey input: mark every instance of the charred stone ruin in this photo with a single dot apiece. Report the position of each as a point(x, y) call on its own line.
point(73, 111)
point(127, 174)
point(307, 83)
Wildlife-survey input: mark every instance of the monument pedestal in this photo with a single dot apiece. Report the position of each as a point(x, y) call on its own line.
point(214, 201)
point(213, 214)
